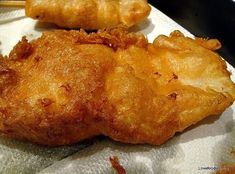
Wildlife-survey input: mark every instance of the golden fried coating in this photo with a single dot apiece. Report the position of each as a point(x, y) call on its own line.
point(88, 14)
point(226, 169)
point(68, 86)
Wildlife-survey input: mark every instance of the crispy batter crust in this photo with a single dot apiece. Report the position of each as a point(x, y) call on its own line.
point(88, 14)
point(68, 86)
point(226, 169)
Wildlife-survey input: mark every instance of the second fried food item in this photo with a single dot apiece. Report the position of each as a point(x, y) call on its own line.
point(68, 86)
point(88, 14)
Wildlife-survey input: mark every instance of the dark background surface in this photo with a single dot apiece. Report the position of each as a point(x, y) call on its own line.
point(205, 18)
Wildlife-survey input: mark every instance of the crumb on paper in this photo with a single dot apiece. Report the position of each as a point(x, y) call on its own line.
point(116, 165)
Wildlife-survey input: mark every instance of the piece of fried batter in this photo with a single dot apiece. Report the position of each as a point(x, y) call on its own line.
point(88, 14)
point(68, 86)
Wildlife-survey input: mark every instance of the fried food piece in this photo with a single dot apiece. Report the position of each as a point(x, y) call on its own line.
point(68, 86)
point(226, 169)
point(88, 14)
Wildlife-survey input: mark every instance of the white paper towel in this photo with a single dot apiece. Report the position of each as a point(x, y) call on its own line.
point(10, 14)
point(198, 150)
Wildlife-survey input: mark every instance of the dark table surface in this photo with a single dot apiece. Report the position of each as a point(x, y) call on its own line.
point(205, 18)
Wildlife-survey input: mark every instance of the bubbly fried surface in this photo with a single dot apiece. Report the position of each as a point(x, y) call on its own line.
point(68, 86)
point(88, 14)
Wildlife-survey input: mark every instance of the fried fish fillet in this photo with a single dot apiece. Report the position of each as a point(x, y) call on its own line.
point(68, 86)
point(88, 14)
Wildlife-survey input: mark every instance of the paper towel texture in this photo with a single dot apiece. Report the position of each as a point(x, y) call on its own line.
point(10, 14)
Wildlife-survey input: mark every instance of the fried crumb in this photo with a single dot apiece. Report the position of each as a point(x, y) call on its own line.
point(173, 96)
point(67, 87)
point(116, 165)
point(37, 59)
point(114, 38)
point(45, 102)
point(157, 73)
point(175, 77)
